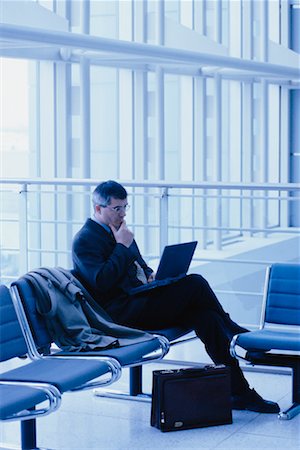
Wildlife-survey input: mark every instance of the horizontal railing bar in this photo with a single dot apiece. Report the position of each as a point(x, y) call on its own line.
point(152, 257)
point(193, 71)
point(48, 222)
point(162, 54)
point(47, 251)
point(277, 229)
point(199, 185)
point(241, 293)
point(157, 184)
point(242, 261)
point(291, 230)
point(235, 197)
point(180, 196)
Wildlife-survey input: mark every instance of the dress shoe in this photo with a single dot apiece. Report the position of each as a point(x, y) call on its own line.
point(252, 401)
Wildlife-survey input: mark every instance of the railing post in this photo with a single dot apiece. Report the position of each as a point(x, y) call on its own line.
point(264, 154)
point(23, 229)
point(218, 159)
point(164, 219)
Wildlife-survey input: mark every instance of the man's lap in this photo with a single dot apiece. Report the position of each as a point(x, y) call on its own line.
point(161, 307)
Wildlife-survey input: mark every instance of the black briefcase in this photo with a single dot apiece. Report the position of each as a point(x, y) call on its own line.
point(191, 397)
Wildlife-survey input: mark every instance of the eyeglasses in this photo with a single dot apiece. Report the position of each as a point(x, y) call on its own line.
point(117, 209)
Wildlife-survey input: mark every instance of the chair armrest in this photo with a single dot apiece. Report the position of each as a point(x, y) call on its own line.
point(51, 393)
point(115, 369)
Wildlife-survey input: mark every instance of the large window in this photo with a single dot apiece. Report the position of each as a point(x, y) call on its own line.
point(16, 158)
point(82, 113)
point(16, 109)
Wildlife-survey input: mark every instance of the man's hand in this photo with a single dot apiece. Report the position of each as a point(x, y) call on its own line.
point(151, 277)
point(122, 235)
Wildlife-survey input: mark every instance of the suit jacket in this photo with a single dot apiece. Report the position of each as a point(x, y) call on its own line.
point(105, 267)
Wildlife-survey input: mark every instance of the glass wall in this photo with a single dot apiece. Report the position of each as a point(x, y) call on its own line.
point(83, 114)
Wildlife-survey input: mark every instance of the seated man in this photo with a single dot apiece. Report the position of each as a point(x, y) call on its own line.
point(107, 260)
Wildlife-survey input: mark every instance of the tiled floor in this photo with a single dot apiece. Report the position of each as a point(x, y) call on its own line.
point(85, 422)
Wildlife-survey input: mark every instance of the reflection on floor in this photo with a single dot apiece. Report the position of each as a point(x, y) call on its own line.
point(85, 422)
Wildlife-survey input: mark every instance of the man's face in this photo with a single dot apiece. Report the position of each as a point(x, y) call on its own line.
point(112, 214)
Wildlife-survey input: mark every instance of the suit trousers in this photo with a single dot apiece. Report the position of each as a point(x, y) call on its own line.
point(188, 302)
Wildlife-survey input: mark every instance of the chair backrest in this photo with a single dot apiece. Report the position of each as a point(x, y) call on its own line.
point(282, 301)
point(26, 294)
point(12, 342)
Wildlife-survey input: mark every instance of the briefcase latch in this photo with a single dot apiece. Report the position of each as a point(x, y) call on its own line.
point(178, 424)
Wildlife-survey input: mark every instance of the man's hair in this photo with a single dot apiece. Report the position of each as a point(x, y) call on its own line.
point(107, 190)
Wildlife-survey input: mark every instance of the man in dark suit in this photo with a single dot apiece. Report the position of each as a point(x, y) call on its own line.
point(108, 262)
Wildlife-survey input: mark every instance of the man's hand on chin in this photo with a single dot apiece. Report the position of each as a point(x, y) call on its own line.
point(122, 234)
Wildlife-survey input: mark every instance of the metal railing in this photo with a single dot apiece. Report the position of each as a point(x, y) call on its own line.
point(39, 218)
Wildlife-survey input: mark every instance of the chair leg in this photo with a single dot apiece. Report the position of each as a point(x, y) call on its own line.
point(135, 380)
point(28, 434)
point(296, 382)
point(293, 410)
point(135, 388)
point(290, 413)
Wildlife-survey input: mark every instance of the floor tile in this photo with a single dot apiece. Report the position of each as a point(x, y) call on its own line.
point(245, 441)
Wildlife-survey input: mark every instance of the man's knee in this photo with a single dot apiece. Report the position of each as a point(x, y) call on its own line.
point(197, 280)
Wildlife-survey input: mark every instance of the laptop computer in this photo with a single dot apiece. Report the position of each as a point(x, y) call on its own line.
point(174, 264)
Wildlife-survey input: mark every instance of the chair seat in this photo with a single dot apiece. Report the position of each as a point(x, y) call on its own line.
point(269, 340)
point(14, 399)
point(65, 374)
point(126, 355)
point(171, 333)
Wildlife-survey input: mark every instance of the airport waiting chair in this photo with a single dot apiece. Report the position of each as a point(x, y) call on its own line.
point(21, 400)
point(277, 342)
point(20, 395)
point(39, 341)
point(24, 387)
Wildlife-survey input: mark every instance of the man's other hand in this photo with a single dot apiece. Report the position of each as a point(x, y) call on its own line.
point(151, 277)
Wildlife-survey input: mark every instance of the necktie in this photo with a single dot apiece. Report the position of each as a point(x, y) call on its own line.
point(140, 274)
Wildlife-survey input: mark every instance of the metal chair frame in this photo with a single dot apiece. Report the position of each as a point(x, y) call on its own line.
point(274, 356)
point(116, 367)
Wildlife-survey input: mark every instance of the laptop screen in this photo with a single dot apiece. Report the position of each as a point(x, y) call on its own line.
point(175, 260)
